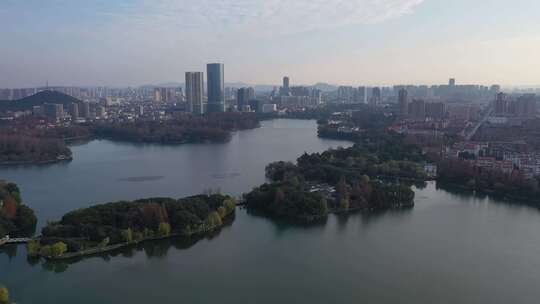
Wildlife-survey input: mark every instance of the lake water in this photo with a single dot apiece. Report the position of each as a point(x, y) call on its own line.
point(450, 248)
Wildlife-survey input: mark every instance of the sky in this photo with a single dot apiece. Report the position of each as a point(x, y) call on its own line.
point(350, 42)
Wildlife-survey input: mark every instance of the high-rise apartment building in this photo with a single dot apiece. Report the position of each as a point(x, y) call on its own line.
point(375, 97)
point(501, 104)
point(216, 87)
point(195, 92)
point(84, 110)
point(403, 101)
point(243, 96)
point(74, 111)
point(417, 109)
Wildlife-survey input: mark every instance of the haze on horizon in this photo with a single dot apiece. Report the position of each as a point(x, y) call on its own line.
point(134, 42)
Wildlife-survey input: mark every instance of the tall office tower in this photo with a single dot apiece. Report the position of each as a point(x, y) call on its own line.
point(361, 96)
point(501, 104)
point(216, 87)
point(285, 89)
point(375, 96)
point(403, 101)
point(243, 96)
point(452, 82)
point(195, 92)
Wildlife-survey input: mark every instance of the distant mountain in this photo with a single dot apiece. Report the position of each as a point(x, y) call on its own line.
point(37, 100)
point(325, 87)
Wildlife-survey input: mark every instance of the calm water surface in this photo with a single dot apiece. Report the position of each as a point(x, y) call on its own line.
point(451, 248)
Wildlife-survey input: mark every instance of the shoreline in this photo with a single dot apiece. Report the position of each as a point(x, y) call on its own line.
point(101, 250)
point(36, 163)
point(508, 198)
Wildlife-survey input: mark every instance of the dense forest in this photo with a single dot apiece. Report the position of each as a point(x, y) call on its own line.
point(294, 199)
point(377, 154)
point(21, 149)
point(294, 192)
point(16, 219)
point(130, 222)
point(189, 129)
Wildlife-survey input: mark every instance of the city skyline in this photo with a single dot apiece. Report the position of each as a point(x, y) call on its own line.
point(365, 42)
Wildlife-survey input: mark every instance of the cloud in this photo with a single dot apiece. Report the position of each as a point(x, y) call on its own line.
point(263, 17)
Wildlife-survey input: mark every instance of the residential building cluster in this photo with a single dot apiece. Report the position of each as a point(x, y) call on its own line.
point(506, 157)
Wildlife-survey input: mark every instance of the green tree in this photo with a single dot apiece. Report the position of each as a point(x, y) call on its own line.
point(105, 242)
point(33, 248)
point(214, 220)
point(230, 205)
point(222, 212)
point(4, 295)
point(127, 235)
point(58, 249)
point(138, 236)
point(46, 251)
point(164, 229)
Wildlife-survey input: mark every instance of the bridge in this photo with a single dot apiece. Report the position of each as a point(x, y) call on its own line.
point(18, 240)
point(469, 136)
point(8, 240)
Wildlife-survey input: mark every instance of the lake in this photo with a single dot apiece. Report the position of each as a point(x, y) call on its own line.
point(450, 248)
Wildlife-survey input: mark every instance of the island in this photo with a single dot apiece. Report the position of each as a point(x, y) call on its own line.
point(16, 219)
point(20, 149)
point(375, 174)
point(215, 127)
point(111, 226)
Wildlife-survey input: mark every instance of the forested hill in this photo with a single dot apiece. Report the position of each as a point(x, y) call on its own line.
point(37, 100)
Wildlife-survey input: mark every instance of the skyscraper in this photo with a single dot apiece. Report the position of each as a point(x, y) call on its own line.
point(216, 87)
point(361, 95)
point(403, 101)
point(243, 96)
point(195, 92)
point(375, 96)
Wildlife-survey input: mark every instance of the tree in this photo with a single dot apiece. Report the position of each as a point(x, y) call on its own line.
point(138, 236)
point(214, 220)
point(58, 249)
point(104, 243)
point(9, 207)
point(127, 235)
point(164, 229)
point(343, 194)
point(4, 295)
point(33, 248)
point(230, 205)
point(45, 251)
point(222, 212)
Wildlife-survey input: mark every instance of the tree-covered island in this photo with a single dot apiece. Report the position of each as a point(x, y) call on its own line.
point(340, 180)
point(16, 219)
point(111, 226)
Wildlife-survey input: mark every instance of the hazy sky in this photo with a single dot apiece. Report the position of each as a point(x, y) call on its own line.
point(133, 42)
